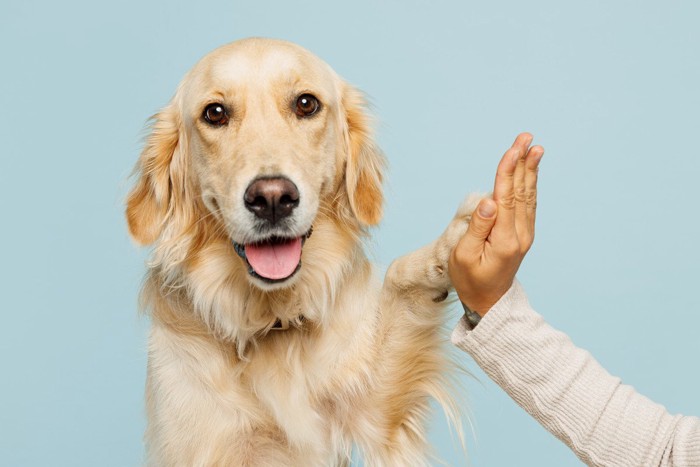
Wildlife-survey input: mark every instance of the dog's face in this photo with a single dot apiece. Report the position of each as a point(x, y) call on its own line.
point(260, 135)
point(264, 132)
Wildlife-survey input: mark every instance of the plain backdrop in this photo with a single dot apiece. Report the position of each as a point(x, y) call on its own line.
point(610, 88)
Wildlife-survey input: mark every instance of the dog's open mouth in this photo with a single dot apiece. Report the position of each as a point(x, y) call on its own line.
point(275, 259)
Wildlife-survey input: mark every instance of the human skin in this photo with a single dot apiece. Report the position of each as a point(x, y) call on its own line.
point(484, 263)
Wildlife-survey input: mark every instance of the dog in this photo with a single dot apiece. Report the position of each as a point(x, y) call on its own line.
point(272, 340)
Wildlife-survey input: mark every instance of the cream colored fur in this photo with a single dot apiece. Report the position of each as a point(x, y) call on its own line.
point(224, 389)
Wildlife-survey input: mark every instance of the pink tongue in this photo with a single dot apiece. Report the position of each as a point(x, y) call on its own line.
point(274, 260)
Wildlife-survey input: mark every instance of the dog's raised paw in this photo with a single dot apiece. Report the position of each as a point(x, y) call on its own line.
point(458, 227)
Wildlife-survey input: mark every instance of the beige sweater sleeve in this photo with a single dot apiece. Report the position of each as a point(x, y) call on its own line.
point(605, 422)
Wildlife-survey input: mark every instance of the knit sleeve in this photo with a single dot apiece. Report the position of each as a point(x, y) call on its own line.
point(605, 422)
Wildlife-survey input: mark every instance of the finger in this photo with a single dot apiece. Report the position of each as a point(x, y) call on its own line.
point(503, 190)
point(521, 225)
point(532, 163)
point(480, 226)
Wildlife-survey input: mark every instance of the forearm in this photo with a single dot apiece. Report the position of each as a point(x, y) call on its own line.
point(603, 421)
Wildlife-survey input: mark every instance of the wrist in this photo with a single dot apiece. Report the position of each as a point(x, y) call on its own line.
point(482, 304)
point(479, 306)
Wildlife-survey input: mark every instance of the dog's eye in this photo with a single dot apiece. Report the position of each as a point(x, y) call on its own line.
point(307, 105)
point(215, 114)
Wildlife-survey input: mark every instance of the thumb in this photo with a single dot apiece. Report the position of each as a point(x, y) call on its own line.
point(483, 219)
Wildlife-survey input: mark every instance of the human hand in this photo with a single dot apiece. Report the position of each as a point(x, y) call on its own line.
point(483, 264)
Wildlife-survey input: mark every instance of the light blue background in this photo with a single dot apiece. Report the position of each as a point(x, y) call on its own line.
point(611, 89)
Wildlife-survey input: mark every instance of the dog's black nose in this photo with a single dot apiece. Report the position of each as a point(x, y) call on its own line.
point(272, 199)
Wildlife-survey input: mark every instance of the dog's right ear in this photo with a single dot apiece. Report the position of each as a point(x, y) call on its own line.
point(148, 204)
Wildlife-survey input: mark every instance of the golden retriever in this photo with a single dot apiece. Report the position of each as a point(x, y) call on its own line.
point(272, 340)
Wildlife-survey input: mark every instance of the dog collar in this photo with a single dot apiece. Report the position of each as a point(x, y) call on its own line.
point(278, 326)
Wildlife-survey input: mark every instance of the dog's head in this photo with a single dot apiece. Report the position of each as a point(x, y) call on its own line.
point(260, 138)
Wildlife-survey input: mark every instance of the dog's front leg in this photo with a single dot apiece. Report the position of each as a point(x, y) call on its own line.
point(413, 365)
point(422, 275)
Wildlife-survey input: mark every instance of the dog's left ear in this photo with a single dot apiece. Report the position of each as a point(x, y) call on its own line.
point(365, 163)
